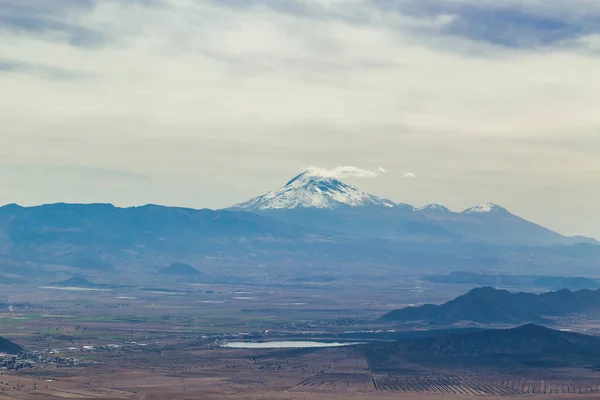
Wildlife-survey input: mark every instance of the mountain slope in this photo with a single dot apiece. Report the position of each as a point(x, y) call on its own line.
point(313, 220)
point(308, 190)
point(488, 305)
point(528, 345)
point(180, 269)
point(8, 347)
point(326, 203)
point(493, 223)
point(79, 235)
point(91, 223)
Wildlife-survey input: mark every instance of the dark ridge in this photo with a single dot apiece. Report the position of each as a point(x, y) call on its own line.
point(294, 179)
point(527, 345)
point(180, 269)
point(488, 305)
point(8, 347)
point(105, 238)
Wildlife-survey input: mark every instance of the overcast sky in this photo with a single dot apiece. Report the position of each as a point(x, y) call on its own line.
point(207, 103)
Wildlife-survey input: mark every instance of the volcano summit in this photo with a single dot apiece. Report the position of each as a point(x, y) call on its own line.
point(309, 190)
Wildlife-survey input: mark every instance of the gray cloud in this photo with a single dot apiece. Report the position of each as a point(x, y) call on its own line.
point(511, 23)
point(51, 19)
point(520, 24)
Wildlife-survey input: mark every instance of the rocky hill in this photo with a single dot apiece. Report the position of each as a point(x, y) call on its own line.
point(528, 345)
point(8, 347)
point(180, 269)
point(488, 305)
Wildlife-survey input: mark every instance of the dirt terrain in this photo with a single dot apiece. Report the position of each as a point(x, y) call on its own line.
point(157, 343)
point(341, 373)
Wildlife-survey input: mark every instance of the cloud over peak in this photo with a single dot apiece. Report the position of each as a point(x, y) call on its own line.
point(345, 171)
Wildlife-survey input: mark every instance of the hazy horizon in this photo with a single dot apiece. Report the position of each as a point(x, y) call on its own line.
point(357, 175)
point(207, 104)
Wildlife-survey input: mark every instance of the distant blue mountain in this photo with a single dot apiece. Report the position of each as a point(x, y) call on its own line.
point(326, 203)
point(318, 223)
point(79, 234)
point(488, 305)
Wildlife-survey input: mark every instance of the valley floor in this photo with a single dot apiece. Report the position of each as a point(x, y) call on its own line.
point(164, 343)
point(187, 372)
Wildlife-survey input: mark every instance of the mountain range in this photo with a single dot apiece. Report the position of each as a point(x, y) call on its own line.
point(311, 221)
point(488, 305)
point(327, 204)
point(310, 190)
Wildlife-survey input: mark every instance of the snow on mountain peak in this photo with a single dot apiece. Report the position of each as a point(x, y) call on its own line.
point(311, 190)
point(484, 208)
point(433, 208)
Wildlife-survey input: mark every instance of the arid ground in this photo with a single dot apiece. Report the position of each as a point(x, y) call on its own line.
point(165, 343)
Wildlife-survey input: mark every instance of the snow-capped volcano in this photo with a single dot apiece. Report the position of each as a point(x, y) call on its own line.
point(488, 207)
point(309, 190)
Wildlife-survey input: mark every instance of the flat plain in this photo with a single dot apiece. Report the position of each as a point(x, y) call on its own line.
point(164, 341)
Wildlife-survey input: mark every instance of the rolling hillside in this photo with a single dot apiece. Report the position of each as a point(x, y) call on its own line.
point(488, 305)
point(529, 345)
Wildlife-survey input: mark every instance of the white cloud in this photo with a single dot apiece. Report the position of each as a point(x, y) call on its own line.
point(409, 175)
point(344, 172)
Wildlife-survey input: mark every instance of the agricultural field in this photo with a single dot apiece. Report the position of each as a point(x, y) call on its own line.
point(165, 341)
